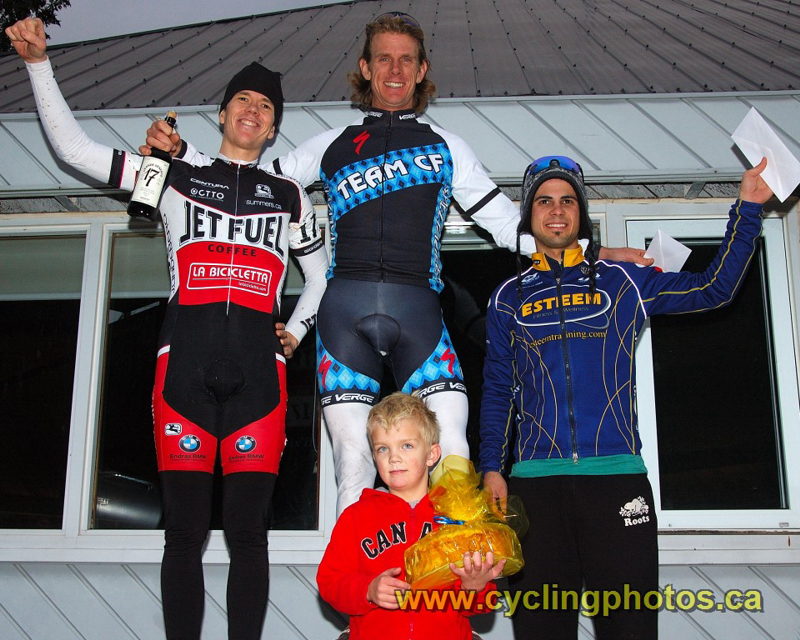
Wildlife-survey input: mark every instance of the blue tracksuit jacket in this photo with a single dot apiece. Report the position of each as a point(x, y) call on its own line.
point(559, 368)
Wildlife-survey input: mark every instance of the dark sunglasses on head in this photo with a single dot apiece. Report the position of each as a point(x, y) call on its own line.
point(409, 20)
point(546, 162)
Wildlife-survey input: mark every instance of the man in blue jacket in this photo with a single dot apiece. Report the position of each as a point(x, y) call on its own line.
point(559, 388)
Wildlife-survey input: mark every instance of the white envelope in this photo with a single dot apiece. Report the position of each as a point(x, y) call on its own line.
point(668, 254)
point(757, 140)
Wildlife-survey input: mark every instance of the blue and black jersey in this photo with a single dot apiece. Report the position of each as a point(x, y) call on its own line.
point(389, 180)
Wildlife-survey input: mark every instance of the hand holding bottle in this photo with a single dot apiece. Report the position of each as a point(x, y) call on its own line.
point(162, 137)
point(151, 179)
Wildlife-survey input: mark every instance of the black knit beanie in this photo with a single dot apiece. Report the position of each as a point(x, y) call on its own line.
point(256, 77)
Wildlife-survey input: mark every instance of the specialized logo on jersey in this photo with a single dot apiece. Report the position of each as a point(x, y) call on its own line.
point(324, 366)
point(245, 444)
point(360, 139)
point(371, 178)
point(542, 307)
point(449, 356)
point(442, 364)
point(373, 546)
point(333, 375)
point(190, 443)
point(173, 429)
point(635, 512)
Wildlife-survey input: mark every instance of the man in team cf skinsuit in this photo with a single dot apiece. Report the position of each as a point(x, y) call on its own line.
point(220, 379)
point(388, 180)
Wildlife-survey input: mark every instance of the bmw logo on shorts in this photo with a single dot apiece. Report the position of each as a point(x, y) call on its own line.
point(245, 444)
point(190, 443)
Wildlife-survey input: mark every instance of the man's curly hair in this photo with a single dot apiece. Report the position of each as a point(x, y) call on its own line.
point(362, 91)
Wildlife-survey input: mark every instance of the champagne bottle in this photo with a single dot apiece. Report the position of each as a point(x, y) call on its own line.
point(150, 181)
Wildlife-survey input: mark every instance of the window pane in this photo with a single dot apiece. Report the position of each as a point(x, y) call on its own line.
point(127, 489)
point(718, 450)
point(40, 281)
point(470, 277)
point(294, 503)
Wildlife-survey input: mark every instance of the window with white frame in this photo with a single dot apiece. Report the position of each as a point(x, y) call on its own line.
point(82, 300)
point(717, 391)
point(706, 474)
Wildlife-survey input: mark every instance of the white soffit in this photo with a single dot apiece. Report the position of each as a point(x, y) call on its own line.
point(650, 138)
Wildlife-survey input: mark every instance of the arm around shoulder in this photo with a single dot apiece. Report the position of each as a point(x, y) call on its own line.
point(307, 245)
point(625, 254)
point(481, 199)
point(303, 162)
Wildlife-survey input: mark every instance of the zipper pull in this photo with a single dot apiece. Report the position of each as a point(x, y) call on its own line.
point(575, 457)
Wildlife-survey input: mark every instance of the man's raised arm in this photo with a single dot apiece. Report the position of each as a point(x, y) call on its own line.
point(70, 142)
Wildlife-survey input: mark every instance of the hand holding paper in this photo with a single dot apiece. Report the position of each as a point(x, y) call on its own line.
point(757, 140)
point(753, 187)
point(668, 254)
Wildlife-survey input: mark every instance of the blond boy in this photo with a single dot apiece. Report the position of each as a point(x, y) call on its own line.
point(361, 573)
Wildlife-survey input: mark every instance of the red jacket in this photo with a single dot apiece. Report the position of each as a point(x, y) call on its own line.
point(370, 537)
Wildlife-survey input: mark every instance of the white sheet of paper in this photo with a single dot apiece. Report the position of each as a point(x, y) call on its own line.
point(757, 140)
point(668, 254)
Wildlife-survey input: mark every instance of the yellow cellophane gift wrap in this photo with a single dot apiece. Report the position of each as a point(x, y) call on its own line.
point(470, 522)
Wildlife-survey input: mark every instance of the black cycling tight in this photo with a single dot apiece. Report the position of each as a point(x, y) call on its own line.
point(187, 516)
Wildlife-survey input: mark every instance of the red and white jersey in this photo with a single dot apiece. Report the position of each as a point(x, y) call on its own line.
point(229, 227)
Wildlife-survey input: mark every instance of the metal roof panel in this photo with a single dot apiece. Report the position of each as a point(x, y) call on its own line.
point(506, 47)
point(590, 138)
point(467, 121)
point(25, 146)
point(620, 51)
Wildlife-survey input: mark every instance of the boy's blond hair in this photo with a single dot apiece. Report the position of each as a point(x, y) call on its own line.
point(400, 406)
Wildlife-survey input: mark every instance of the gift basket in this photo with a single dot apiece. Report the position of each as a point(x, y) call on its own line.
point(470, 521)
